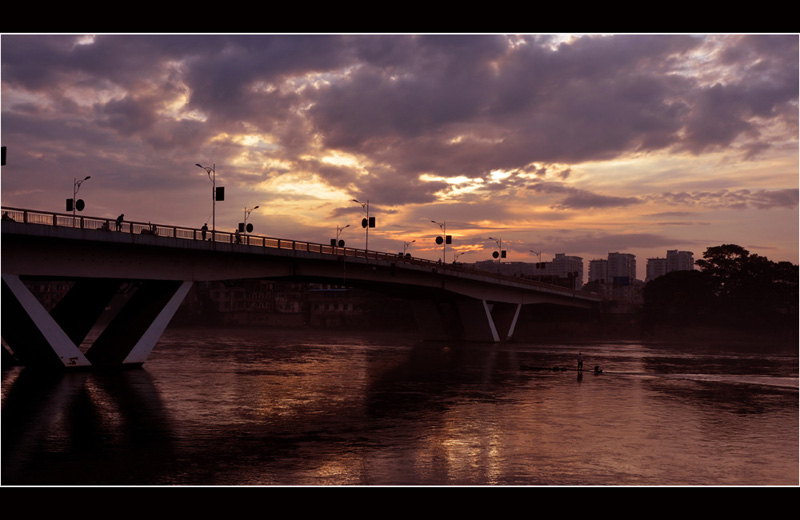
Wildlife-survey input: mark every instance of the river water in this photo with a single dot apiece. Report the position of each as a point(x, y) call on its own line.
point(311, 408)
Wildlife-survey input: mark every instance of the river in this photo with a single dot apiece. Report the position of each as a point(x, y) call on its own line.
point(314, 408)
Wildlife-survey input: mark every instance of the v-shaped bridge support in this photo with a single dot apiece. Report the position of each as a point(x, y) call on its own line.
point(53, 339)
point(470, 319)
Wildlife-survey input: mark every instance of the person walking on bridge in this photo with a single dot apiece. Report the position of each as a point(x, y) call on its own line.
point(119, 221)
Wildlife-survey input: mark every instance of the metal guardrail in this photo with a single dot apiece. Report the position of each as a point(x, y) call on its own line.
point(28, 216)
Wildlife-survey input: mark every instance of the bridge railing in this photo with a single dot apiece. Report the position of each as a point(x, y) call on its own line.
point(141, 228)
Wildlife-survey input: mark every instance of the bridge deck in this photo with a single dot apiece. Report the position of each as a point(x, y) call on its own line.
point(210, 258)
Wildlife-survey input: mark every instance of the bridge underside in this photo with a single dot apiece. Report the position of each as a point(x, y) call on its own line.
point(54, 339)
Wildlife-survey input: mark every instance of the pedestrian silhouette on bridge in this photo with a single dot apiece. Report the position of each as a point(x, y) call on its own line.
point(119, 221)
point(204, 229)
point(238, 236)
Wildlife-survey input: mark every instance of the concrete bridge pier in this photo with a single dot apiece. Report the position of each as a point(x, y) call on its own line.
point(36, 338)
point(135, 330)
point(505, 316)
point(52, 339)
point(469, 319)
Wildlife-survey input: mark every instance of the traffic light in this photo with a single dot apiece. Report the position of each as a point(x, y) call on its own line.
point(220, 195)
point(69, 204)
point(449, 239)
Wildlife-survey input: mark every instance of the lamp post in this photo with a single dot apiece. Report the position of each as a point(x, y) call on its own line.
point(500, 254)
point(339, 232)
point(212, 174)
point(247, 214)
point(76, 185)
point(443, 226)
point(366, 223)
point(405, 246)
point(539, 254)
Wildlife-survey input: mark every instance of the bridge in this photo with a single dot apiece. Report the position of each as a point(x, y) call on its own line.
point(159, 263)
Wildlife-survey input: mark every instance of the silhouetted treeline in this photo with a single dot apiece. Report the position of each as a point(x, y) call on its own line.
point(733, 289)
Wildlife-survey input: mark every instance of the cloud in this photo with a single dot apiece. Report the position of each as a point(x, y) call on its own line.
point(582, 199)
point(733, 199)
point(483, 130)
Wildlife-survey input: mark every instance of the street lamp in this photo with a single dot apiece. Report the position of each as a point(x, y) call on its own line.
point(339, 232)
point(444, 240)
point(76, 185)
point(405, 246)
point(538, 264)
point(367, 222)
point(247, 214)
point(212, 175)
point(501, 254)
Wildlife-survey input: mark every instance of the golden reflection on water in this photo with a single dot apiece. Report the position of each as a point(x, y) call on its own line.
point(369, 413)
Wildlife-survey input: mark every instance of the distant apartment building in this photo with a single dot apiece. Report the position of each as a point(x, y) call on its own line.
point(675, 261)
point(655, 267)
point(598, 271)
point(618, 268)
point(615, 276)
point(563, 270)
point(571, 267)
point(621, 268)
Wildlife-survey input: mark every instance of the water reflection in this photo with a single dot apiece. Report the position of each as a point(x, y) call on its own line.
point(93, 423)
point(243, 407)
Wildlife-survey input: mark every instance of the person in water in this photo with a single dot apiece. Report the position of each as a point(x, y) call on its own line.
point(580, 361)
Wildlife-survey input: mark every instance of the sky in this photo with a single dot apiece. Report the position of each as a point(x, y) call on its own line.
point(577, 144)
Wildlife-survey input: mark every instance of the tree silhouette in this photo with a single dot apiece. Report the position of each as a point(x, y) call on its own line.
point(733, 289)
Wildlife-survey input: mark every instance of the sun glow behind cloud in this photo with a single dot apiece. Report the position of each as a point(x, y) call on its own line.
point(551, 141)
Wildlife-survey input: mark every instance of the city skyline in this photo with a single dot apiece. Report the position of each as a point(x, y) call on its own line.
point(582, 145)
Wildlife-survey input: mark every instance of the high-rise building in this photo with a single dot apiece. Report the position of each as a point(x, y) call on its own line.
point(655, 267)
point(570, 267)
point(598, 271)
point(675, 261)
point(615, 277)
point(621, 268)
point(680, 260)
point(563, 269)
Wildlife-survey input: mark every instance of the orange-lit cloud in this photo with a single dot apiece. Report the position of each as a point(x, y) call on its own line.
point(560, 144)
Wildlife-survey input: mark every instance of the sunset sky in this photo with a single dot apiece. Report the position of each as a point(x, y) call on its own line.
point(575, 144)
